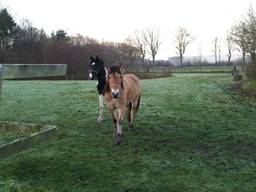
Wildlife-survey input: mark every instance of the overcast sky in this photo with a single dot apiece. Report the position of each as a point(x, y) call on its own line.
point(114, 20)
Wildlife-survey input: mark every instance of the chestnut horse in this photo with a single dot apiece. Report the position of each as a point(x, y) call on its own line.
point(122, 91)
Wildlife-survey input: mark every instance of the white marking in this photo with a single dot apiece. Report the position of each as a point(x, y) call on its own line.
point(119, 129)
point(101, 100)
point(119, 114)
point(90, 75)
point(116, 113)
point(115, 91)
point(93, 63)
point(106, 72)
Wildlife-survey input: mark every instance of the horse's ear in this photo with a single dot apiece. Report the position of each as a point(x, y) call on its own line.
point(121, 66)
point(97, 58)
point(122, 85)
point(91, 58)
point(108, 68)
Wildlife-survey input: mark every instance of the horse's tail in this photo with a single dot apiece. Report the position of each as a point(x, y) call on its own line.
point(138, 105)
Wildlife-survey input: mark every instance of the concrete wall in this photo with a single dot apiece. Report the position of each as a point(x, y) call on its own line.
point(26, 71)
point(23, 71)
point(44, 133)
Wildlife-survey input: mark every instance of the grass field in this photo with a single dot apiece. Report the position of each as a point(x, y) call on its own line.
point(190, 135)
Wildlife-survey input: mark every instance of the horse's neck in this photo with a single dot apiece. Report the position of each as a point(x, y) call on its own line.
point(102, 75)
point(101, 81)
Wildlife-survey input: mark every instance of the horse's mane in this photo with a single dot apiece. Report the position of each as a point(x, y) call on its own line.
point(115, 69)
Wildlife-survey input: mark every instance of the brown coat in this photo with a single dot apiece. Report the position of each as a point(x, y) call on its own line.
point(129, 90)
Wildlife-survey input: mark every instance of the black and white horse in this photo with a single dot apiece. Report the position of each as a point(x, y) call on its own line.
point(98, 71)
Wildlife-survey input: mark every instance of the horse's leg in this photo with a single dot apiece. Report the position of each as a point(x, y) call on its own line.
point(133, 109)
point(101, 103)
point(130, 116)
point(119, 125)
point(112, 112)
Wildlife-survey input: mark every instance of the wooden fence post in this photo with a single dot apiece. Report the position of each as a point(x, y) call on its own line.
point(1, 72)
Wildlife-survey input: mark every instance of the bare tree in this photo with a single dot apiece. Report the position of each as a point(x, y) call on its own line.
point(140, 44)
point(128, 52)
point(200, 50)
point(243, 35)
point(78, 40)
point(239, 38)
point(219, 48)
point(215, 49)
point(182, 40)
point(251, 33)
point(152, 39)
point(230, 47)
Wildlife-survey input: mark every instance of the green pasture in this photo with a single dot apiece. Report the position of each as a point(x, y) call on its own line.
point(192, 133)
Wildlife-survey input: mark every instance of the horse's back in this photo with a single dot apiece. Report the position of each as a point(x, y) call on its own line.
point(133, 83)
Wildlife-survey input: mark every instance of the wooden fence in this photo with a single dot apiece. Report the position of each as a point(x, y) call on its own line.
point(203, 69)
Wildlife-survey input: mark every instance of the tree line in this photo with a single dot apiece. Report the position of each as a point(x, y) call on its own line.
point(241, 37)
point(25, 43)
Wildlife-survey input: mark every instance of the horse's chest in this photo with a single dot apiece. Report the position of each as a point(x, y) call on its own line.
point(116, 103)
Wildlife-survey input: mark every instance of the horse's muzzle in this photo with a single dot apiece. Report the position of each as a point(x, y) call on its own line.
point(115, 95)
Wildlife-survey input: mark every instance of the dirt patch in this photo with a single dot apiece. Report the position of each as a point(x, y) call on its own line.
point(203, 149)
point(244, 151)
point(238, 88)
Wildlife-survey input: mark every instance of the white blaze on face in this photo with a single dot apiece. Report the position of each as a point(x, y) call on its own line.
point(115, 91)
point(93, 63)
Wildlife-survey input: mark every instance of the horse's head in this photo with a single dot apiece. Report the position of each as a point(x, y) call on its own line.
point(115, 80)
point(96, 65)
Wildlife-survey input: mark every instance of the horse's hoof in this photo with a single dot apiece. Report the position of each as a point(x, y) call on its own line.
point(118, 139)
point(130, 128)
point(114, 135)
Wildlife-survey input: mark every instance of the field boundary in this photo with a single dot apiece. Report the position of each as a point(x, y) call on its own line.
point(40, 133)
point(203, 69)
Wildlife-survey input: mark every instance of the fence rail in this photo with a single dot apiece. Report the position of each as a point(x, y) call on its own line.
point(151, 75)
point(1, 73)
point(24, 71)
point(204, 69)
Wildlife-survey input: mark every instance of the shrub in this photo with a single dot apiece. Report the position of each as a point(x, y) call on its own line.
point(250, 70)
